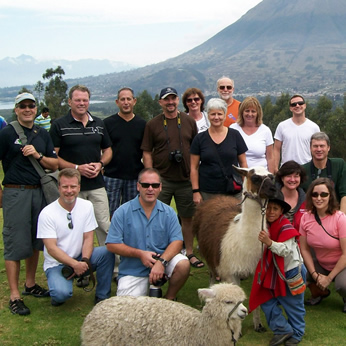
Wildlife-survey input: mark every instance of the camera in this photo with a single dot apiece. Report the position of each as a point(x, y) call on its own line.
point(67, 271)
point(176, 156)
point(155, 288)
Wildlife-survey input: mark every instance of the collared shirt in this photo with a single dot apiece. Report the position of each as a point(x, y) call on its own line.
point(81, 144)
point(131, 226)
point(43, 122)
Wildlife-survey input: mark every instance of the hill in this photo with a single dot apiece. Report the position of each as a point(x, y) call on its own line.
point(277, 46)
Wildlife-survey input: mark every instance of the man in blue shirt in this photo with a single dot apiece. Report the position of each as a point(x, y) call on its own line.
point(142, 228)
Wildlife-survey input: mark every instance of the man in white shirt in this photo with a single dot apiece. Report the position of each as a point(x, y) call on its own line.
point(292, 136)
point(66, 227)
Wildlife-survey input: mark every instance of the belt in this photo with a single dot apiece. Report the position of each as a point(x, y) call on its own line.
point(13, 186)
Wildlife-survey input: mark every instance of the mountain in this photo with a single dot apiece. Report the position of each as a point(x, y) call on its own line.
point(277, 46)
point(25, 69)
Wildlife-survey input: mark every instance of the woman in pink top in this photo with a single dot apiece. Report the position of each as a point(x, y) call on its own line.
point(323, 229)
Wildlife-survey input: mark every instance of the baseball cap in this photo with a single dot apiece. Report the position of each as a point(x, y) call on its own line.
point(167, 91)
point(24, 96)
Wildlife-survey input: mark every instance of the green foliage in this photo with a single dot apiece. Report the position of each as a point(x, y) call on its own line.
point(147, 107)
point(39, 88)
point(55, 97)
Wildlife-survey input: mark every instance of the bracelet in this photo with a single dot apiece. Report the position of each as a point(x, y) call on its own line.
point(313, 273)
point(195, 190)
point(102, 165)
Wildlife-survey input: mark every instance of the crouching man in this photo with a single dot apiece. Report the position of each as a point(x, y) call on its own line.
point(142, 228)
point(66, 227)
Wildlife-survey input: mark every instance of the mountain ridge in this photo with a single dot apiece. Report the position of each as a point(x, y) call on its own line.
point(277, 46)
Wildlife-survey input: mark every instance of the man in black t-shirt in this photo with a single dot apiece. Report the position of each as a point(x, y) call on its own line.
point(22, 199)
point(126, 132)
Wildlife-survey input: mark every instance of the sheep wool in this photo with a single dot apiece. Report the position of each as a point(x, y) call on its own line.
point(130, 321)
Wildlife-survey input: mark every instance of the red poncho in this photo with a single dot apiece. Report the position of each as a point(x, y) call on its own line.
point(270, 284)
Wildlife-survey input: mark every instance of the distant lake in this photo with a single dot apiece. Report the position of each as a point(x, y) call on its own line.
point(6, 105)
point(10, 104)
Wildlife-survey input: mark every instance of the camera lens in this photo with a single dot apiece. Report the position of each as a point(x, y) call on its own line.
point(155, 291)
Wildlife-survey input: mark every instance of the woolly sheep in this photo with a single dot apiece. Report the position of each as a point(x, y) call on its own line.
point(129, 320)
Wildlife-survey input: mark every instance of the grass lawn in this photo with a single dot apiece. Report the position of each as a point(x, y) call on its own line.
point(47, 325)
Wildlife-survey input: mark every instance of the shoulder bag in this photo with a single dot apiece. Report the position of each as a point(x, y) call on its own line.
point(49, 183)
point(295, 284)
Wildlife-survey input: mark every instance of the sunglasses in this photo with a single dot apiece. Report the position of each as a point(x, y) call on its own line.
point(196, 99)
point(147, 185)
point(69, 218)
point(322, 194)
point(223, 87)
point(23, 106)
point(294, 104)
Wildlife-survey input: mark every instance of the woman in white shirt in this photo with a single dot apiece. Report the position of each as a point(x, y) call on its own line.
point(256, 135)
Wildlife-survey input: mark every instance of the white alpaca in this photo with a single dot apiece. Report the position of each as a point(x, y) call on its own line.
point(136, 321)
point(230, 246)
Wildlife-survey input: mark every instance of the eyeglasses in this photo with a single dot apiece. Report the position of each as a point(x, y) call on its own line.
point(69, 218)
point(24, 106)
point(223, 87)
point(322, 194)
point(147, 185)
point(294, 104)
point(196, 99)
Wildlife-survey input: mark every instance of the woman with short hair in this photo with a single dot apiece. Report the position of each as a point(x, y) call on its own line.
point(213, 152)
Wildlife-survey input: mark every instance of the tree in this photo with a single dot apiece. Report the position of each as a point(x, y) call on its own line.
point(55, 96)
point(39, 88)
point(146, 107)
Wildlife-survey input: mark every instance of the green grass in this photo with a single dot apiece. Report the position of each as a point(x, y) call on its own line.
point(47, 325)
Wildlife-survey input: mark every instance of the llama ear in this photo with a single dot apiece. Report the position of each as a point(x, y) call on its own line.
point(206, 293)
point(241, 171)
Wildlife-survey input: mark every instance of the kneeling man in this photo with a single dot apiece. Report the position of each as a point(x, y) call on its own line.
point(142, 228)
point(66, 227)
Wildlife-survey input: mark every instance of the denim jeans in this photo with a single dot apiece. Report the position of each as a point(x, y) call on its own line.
point(294, 308)
point(102, 261)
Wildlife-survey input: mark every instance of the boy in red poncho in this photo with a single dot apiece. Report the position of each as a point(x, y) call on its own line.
point(268, 289)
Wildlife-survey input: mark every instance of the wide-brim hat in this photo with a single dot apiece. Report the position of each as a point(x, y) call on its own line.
point(24, 96)
point(167, 91)
point(281, 201)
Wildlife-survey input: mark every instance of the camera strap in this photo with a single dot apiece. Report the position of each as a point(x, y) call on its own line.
point(91, 274)
point(318, 220)
point(166, 131)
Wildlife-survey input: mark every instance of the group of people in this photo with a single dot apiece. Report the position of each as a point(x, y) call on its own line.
point(118, 177)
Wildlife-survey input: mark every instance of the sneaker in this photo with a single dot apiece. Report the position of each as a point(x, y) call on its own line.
point(17, 306)
point(36, 291)
point(291, 341)
point(279, 339)
point(83, 282)
point(55, 303)
point(97, 300)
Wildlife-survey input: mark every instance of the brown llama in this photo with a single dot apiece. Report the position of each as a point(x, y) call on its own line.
point(227, 232)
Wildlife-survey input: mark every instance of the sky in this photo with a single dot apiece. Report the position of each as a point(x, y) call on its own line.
point(137, 32)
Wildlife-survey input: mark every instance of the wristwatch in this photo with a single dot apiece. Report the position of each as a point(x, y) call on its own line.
point(40, 158)
point(163, 261)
